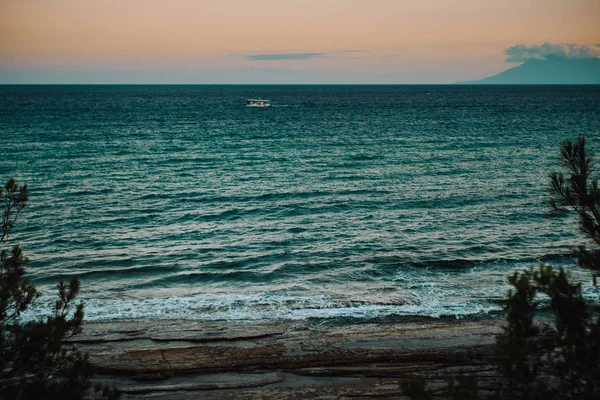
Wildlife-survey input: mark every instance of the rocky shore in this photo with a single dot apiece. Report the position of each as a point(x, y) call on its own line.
point(173, 359)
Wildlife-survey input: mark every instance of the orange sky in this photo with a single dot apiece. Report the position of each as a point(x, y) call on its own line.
point(402, 41)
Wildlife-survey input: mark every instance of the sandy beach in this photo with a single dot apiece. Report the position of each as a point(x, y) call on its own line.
point(176, 359)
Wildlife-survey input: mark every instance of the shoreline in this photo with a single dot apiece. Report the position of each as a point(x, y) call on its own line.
point(173, 359)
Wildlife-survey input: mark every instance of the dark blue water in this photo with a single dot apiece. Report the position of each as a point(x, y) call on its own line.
point(362, 201)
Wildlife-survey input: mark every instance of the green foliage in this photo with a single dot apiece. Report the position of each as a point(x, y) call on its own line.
point(561, 363)
point(36, 361)
point(15, 200)
point(414, 387)
point(517, 345)
point(463, 387)
point(577, 191)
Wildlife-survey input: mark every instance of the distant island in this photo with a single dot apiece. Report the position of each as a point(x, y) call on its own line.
point(552, 70)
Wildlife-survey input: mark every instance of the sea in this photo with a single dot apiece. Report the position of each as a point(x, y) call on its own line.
point(338, 202)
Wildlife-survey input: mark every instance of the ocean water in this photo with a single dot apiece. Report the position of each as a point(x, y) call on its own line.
point(339, 201)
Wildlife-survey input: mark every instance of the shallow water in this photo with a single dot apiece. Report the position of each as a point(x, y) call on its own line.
point(339, 201)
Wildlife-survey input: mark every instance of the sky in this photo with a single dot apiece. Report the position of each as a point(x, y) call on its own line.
point(284, 41)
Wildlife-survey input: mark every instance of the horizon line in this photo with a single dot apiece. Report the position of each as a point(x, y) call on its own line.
point(298, 84)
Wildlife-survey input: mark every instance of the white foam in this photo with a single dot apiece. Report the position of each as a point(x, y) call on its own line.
point(413, 292)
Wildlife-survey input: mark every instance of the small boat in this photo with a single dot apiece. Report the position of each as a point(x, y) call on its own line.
point(258, 103)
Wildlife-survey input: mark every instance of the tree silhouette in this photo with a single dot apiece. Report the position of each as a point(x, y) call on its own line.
point(36, 360)
point(562, 361)
point(578, 191)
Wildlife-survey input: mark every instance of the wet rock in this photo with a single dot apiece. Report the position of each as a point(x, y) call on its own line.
point(177, 359)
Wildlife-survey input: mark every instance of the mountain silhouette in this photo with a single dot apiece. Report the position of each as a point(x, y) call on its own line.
point(553, 70)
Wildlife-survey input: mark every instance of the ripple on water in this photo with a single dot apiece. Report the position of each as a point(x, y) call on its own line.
point(352, 201)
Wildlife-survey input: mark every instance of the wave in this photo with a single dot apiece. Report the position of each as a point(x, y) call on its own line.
point(434, 296)
point(266, 307)
point(346, 190)
point(399, 262)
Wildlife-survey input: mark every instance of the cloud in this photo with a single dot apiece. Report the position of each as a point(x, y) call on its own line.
point(522, 52)
point(283, 56)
